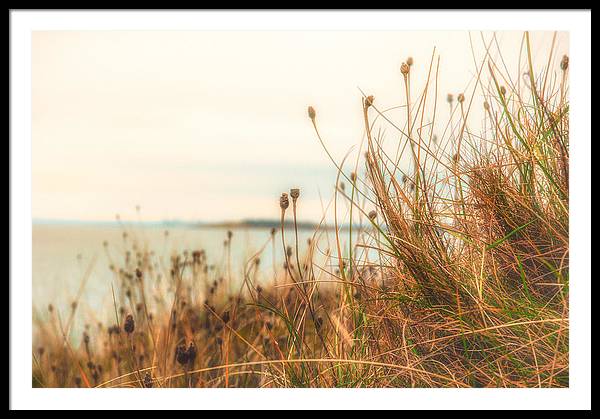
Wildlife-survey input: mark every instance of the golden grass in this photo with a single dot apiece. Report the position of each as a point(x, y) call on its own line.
point(457, 277)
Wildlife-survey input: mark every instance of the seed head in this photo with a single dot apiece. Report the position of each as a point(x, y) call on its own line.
point(181, 354)
point(404, 69)
point(129, 325)
point(196, 256)
point(486, 106)
point(148, 380)
point(284, 202)
point(564, 63)
point(369, 101)
point(372, 214)
point(353, 177)
point(295, 193)
point(311, 113)
point(461, 98)
point(409, 61)
point(450, 98)
point(502, 90)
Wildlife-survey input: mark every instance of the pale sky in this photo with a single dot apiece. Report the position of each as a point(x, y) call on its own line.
point(213, 125)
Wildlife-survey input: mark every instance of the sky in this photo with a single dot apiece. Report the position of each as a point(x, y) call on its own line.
point(212, 126)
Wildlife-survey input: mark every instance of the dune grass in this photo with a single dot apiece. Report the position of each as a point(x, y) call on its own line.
point(457, 276)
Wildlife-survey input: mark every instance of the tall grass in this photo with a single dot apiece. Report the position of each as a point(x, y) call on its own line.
point(458, 276)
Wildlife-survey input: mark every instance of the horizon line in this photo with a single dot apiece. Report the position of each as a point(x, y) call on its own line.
point(244, 222)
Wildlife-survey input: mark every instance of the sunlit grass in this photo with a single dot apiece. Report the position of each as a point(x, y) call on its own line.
point(457, 276)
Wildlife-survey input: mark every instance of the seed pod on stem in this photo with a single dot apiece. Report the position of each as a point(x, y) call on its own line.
point(404, 69)
point(564, 63)
point(129, 325)
point(295, 193)
point(284, 202)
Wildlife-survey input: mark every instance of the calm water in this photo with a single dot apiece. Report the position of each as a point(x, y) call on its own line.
point(65, 254)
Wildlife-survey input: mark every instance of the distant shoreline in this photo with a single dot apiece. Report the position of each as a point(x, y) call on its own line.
point(253, 224)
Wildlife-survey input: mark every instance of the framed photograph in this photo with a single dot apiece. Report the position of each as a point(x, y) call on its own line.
point(300, 209)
